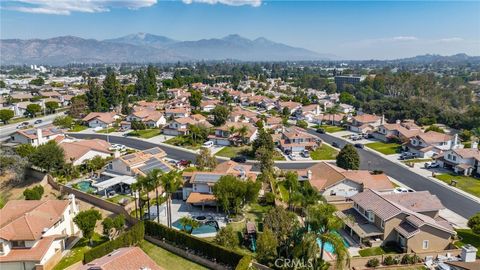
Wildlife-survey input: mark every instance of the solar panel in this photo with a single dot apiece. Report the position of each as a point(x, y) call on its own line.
point(30, 131)
point(128, 157)
point(152, 164)
point(207, 178)
point(152, 151)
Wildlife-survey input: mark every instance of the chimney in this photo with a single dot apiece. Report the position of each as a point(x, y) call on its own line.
point(455, 141)
point(309, 175)
point(468, 253)
point(398, 121)
point(39, 136)
point(383, 119)
point(474, 145)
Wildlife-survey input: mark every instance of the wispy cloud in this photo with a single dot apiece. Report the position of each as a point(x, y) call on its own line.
point(404, 38)
point(66, 7)
point(452, 39)
point(253, 3)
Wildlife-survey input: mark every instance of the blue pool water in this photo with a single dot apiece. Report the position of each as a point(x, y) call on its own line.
point(85, 186)
point(204, 228)
point(329, 247)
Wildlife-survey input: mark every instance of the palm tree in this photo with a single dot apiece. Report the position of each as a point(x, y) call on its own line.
point(170, 182)
point(146, 185)
point(242, 132)
point(153, 178)
point(135, 188)
point(193, 132)
point(332, 111)
point(322, 221)
point(189, 222)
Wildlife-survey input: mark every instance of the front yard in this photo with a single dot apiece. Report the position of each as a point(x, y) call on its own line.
point(324, 152)
point(146, 133)
point(77, 128)
point(76, 253)
point(183, 142)
point(384, 148)
point(233, 151)
point(107, 130)
point(166, 259)
point(466, 183)
point(468, 237)
point(331, 129)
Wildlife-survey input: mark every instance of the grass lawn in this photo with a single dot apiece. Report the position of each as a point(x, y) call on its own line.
point(77, 128)
point(183, 142)
point(105, 130)
point(324, 152)
point(76, 253)
point(16, 120)
point(466, 183)
point(166, 259)
point(384, 148)
point(468, 237)
point(376, 251)
point(233, 151)
point(117, 198)
point(146, 133)
point(331, 129)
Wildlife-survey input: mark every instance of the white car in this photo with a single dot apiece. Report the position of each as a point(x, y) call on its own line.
point(208, 144)
point(431, 165)
point(119, 147)
point(402, 190)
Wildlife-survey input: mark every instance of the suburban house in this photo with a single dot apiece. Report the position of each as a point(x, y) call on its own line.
point(148, 105)
point(239, 114)
point(37, 136)
point(363, 123)
point(401, 131)
point(139, 163)
point(197, 189)
point(345, 108)
point(33, 233)
point(20, 108)
point(426, 145)
point(464, 161)
point(273, 122)
point(336, 183)
point(231, 133)
point(123, 258)
point(296, 140)
point(177, 112)
point(410, 220)
point(179, 126)
point(101, 119)
point(77, 152)
point(291, 105)
point(208, 105)
point(151, 118)
point(309, 112)
point(329, 119)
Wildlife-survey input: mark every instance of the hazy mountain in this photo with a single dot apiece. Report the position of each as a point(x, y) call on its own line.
point(144, 47)
point(430, 58)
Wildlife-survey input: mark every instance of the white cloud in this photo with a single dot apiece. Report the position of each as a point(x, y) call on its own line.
point(404, 38)
point(66, 7)
point(253, 3)
point(452, 39)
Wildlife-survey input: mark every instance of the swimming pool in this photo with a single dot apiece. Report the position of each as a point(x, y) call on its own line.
point(204, 228)
point(85, 186)
point(329, 247)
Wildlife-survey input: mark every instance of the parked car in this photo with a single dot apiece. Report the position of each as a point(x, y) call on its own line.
point(320, 130)
point(118, 147)
point(335, 144)
point(184, 162)
point(239, 159)
point(431, 165)
point(403, 190)
point(305, 154)
point(208, 144)
point(355, 137)
point(38, 121)
point(359, 145)
point(407, 155)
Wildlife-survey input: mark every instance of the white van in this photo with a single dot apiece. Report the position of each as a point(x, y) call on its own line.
point(208, 144)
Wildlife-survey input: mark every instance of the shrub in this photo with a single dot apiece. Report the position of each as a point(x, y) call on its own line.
point(374, 262)
point(129, 238)
point(34, 193)
point(389, 260)
point(270, 198)
point(184, 240)
point(410, 259)
point(244, 263)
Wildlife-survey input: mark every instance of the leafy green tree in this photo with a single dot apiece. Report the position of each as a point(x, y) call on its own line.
point(265, 157)
point(95, 97)
point(195, 98)
point(78, 106)
point(227, 237)
point(283, 224)
point(347, 98)
point(49, 157)
point(39, 81)
point(95, 163)
point(197, 133)
point(63, 121)
point(474, 223)
point(231, 193)
point(188, 224)
point(117, 223)
point(435, 128)
point(205, 159)
point(267, 245)
point(170, 183)
point(6, 115)
point(138, 125)
point(264, 139)
point(348, 158)
point(33, 109)
point(242, 132)
point(286, 112)
point(86, 222)
point(51, 106)
point(25, 150)
point(151, 82)
point(34, 193)
point(126, 109)
point(302, 124)
point(220, 115)
point(111, 88)
point(2, 84)
point(292, 185)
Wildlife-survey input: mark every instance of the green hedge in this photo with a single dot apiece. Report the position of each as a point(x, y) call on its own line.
point(129, 238)
point(208, 249)
point(244, 263)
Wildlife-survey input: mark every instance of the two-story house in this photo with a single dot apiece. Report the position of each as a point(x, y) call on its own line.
point(234, 133)
point(401, 131)
point(208, 105)
point(101, 119)
point(291, 105)
point(363, 123)
point(151, 118)
point(239, 114)
point(37, 136)
point(464, 161)
point(177, 112)
point(33, 233)
point(308, 112)
point(428, 144)
point(295, 140)
point(140, 163)
point(179, 126)
point(410, 220)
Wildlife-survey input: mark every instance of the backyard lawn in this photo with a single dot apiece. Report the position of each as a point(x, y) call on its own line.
point(118, 197)
point(233, 151)
point(384, 148)
point(146, 133)
point(166, 259)
point(466, 183)
point(77, 128)
point(376, 251)
point(468, 237)
point(76, 253)
point(324, 152)
point(331, 129)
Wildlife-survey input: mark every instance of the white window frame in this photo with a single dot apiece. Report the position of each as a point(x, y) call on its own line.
point(425, 244)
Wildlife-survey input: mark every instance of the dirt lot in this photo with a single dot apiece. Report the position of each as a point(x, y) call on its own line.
point(13, 190)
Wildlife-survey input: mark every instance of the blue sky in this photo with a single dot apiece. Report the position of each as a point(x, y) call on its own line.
point(348, 29)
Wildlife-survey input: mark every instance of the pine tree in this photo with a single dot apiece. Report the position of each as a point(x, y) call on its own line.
point(348, 158)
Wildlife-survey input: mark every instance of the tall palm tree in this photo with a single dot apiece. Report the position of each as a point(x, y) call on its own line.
point(146, 185)
point(135, 187)
point(332, 111)
point(153, 178)
point(170, 182)
point(322, 221)
point(242, 132)
point(190, 223)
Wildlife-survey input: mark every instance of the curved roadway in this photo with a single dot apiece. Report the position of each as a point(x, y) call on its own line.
point(456, 202)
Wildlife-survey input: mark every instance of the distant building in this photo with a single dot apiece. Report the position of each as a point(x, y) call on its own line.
point(340, 81)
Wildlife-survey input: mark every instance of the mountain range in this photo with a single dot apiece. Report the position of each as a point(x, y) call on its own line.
point(147, 48)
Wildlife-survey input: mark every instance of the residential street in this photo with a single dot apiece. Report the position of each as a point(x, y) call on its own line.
point(7, 130)
point(370, 161)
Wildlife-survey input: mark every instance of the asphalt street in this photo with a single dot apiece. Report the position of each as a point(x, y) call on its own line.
point(7, 130)
point(369, 161)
